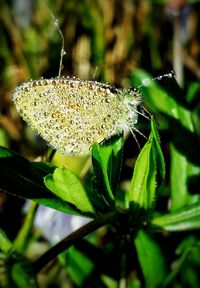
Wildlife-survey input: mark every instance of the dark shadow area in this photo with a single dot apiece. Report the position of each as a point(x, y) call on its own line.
point(185, 141)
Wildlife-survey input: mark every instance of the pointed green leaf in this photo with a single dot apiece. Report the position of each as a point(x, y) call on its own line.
point(151, 260)
point(185, 162)
point(186, 251)
point(23, 178)
point(143, 184)
point(106, 159)
point(193, 93)
point(158, 152)
point(64, 184)
point(109, 282)
point(149, 171)
point(5, 243)
point(187, 218)
point(184, 176)
point(20, 271)
point(78, 265)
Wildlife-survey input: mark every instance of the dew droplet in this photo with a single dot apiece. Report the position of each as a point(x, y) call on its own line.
point(146, 82)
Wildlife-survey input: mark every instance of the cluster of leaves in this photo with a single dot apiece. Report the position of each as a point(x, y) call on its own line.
point(131, 213)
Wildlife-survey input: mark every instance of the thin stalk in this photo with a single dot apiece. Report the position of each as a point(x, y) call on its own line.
point(178, 52)
point(74, 237)
point(122, 281)
point(24, 234)
point(178, 267)
point(52, 154)
point(62, 50)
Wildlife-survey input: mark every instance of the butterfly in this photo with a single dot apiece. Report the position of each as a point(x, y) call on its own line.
point(73, 114)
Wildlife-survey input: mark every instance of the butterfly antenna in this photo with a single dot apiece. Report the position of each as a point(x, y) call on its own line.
point(147, 82)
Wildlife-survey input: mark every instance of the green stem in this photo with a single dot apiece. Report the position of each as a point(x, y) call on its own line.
point(177, 269)
point(24, 234)
point(74, 237)
point(122, 281)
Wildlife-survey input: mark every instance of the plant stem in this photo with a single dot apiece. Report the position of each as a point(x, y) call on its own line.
point(50, 158)
point(122, 281)
point(178, 52)
point(70, 240)
point(24, 234)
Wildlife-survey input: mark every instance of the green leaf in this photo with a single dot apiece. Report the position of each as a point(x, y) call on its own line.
point(193, 93)
point(4, 139)
point(135, 283)
point(158, 152)
point(109, 282)
point(89, 265)
point(106, 159)
point(184, 177)
point(64, 184)
point(20, 271)
point(5, 243)
point(78, 265)
point(189, 248)
point(23, 178)
point(187, 218)
point(149, 171)
point(151, 260)
point(185, 162)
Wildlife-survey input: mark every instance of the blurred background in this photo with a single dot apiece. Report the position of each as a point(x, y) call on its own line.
point(105, 40)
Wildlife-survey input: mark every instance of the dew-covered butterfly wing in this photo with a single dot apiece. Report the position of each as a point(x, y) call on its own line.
point(72, 114)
